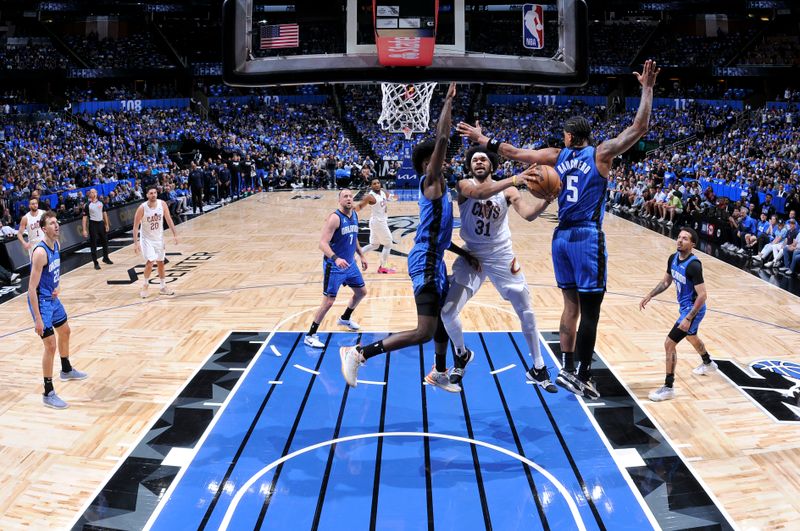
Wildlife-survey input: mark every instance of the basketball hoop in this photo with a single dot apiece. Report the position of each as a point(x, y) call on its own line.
point(406, 108)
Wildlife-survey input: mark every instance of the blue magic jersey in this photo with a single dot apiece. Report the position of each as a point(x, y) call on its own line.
point(345, 237)
point(435, 229)
point(686, 273)
point(583, 189)
point(51, 271)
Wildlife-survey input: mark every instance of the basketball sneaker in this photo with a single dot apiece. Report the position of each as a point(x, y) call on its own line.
point(541, 377)
point(74, 374)
point(349, 323)
point(351, 360)
point(312, 340)
point(52, 400)
point(589, 389)
point(143, 292)
point(387, 270)
point(460, 365)
point(665, 393)
point(569, 381)
point(705, 368)
point(442, 381)
point(166, 290)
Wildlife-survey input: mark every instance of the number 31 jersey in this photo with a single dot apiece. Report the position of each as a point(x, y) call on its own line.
point(484, 224)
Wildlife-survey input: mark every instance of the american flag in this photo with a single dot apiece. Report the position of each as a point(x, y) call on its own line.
point(280, 36)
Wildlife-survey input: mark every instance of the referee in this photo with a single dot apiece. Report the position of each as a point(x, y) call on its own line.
point(96, 215)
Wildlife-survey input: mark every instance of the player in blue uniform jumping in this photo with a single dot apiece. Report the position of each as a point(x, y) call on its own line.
point(578, 248)
point(426, 260)
point(339, 245)
point(686, 271)
point(49, 316)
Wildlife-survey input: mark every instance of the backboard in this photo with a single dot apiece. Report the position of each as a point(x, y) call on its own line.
point(288, 42)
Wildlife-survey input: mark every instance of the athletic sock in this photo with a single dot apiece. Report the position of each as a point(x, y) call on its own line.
point(373, 349)
point(441, 362)
point(313, 329)
point(66, 366)
point(669, 380)
point(347, 313)
point(48, 385)
point(568, 361)
point(706, 358)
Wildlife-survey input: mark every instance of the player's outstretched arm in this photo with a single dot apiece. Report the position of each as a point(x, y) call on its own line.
point(547, 156)
point(660, 287)
point(641, 123)
point(434, 185)
point(367, 200)
point(527, 211)
point(486, 189)
point(466, 255)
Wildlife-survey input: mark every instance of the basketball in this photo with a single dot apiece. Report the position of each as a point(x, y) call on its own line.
point(549, 186)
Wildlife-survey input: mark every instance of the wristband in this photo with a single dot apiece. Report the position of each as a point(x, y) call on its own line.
point(493, 145)
point(334, 257)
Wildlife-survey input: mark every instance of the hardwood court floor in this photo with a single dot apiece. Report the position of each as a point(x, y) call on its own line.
point(262, 268)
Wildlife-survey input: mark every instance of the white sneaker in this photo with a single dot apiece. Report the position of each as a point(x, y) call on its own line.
point(166, 290)
point(351, 361)
point(669, 223)
point(442, 381)
point(705, 369)
point(768, 264)
point(349, 323)
point(313, 341)
point(143, 292)
point(15, 278)
point(665, 393)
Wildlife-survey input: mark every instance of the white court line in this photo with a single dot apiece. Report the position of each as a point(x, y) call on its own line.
point(595, 404)
point(370, 382)
point(275, 382)
point(663, 433)
point(256, 342)
point(306, 369)
point(622, 470)
point(212, 403)
point(163, 501)
point(237, 369)
point(258, 475)
point(275, 351)
point(502, 369)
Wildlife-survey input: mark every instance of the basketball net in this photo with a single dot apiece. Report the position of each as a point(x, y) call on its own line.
point(406, 108)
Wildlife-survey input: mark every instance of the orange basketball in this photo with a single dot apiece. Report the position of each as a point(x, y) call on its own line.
point(549, 186)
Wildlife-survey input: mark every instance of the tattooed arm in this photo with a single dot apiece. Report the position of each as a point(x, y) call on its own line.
point(660, 287)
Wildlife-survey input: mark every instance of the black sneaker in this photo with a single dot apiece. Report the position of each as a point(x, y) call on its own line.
point(459, 365)
point(589, 389)
point(96, 265)
point(541, 377)
point(569, 381)
point(107, 261)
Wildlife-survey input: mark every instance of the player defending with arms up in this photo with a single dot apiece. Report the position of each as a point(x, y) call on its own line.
point(426, 260)
point(579, 250)
point(686, 271)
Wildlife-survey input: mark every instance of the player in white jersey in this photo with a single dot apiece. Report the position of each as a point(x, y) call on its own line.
point(379, 233)
point(484, 229)
point(30, 224)
point(150, 218)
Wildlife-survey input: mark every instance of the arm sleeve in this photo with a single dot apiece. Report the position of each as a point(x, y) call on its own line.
point(694, 272)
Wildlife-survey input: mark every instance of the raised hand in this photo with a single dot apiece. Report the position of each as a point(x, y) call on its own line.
point(474, 133)
point(648, 76)
point(451, 90)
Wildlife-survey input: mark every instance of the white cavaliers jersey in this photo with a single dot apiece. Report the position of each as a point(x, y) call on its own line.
point(152, 222)
point(484, 224)
point(34, 228)
point(379, 209)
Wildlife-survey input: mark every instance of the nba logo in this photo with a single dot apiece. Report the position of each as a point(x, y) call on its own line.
point(532, 26)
